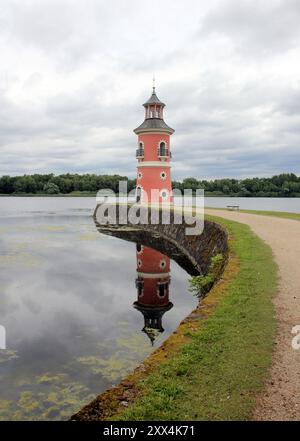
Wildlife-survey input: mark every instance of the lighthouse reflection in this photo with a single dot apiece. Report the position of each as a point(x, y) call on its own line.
point(153, 257)
point(152, 284)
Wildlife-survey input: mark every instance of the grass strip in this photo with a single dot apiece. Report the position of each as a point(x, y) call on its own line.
point(283, 214)
point(222, 363)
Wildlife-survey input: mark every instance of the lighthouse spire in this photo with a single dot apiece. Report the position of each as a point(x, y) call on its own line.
point(153, 84)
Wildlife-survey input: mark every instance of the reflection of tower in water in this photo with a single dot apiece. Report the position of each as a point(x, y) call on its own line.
point(152, 283)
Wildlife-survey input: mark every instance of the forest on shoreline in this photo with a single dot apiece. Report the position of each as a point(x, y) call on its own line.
point(283, 185)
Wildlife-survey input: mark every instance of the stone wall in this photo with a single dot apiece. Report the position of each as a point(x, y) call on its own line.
point(192, 252)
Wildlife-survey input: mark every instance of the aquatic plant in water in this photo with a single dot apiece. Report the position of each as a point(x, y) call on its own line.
point(56, 400)
point(122, 361)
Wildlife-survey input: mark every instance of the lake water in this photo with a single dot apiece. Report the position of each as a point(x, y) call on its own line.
point(290, 205)
point(76, 320)
point(82, 206)
point(68, 304)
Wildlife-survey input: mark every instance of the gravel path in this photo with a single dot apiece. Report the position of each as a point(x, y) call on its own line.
point(280, 399)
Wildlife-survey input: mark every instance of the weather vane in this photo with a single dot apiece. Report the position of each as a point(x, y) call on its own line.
point(153, 82)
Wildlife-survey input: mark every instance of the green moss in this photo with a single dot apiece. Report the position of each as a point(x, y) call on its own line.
point(200, 285)
point(217, 372)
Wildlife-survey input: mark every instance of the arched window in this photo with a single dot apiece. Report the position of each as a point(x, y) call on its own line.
point(140, 287)
point(162, 289)
point(162, 149)
point(138, 194)
point(140, 150)
point(139, 248)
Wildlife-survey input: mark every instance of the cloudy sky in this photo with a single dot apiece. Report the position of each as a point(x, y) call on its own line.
point(74, 73)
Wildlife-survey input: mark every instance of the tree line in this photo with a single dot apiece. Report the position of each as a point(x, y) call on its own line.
point(61, 184)
point(283, 185)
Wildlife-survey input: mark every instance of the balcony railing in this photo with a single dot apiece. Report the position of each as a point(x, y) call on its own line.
point(163, 152)
point(139, 283)
point(139, 153)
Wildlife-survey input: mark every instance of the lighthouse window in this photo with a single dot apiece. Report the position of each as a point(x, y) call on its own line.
point(163, 175)
point(162, 263)
point(140, 175)
point(139, 248)
point(162, 289)
point(162, 149)
point(139, 262)
point(164, 194)
point(140, 287)
point(140, 150)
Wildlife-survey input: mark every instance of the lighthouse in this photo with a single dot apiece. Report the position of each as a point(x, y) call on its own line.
point(153, 154)
point(152, 283)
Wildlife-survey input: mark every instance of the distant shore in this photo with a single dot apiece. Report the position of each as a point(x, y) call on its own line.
point(82, 194)
point(45, 195)
point(284, 185)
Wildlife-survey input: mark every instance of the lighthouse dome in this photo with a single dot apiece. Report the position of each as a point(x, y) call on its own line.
point(154, 100)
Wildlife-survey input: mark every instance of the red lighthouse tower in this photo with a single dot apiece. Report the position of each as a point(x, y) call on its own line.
point(152, 283)
point(153, 154)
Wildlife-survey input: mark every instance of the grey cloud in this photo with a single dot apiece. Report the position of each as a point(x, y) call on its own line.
point(255, 28)
point(51, 26)
point(289, 103)
point(75, 108)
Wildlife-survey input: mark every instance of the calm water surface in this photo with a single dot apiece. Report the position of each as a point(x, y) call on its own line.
point(291, 205)
point(66, 302)
point(23, 206)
